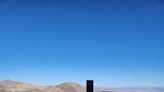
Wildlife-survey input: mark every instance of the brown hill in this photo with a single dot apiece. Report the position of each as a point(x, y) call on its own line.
point(71, 87)
point(14, 86)
point(53, 89)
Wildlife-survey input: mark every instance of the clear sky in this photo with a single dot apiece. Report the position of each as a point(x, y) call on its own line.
point(114, 42)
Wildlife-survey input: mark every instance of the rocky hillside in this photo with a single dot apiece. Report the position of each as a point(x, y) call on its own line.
point(14, 86)
point(71, 87)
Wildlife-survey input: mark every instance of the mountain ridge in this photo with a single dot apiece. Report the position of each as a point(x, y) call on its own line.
point(16, 86)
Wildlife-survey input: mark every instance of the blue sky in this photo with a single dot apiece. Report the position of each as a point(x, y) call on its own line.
point(116, 43)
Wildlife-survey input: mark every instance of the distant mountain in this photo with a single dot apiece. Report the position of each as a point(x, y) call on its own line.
point(132, 89)
point(14, 86)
